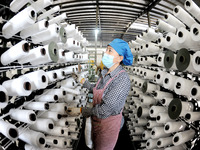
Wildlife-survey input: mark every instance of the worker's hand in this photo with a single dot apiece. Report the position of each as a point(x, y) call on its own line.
point(74, 111)
point(86, 111)
point(79, 78)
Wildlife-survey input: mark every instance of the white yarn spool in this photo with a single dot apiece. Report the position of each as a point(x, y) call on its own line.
point(151, 60)
point(169, 81)
point(72, 119)
point(138, 130)
point(3, 94)
point(39, 79)
point(182, 147)
point(192, 8)
point(162, 42)
point(18, 87)
point(195, 32)
point(196, 61)
point(29, 147)
point(192, 116)
point(160, 59)
point(140, 41)
point(73, 128)
point(171, 42)
point(146, 135)
point(69, 97)
point(47, 98)
point(8, 130)
point(163, 118)
point(163, 142)
point(58, 107)
point(69, 57)
point(182, 137)
point(152, 124)
point(62, 122)
point(136, 138)
point(68, 83)
point(151, 143)
point(195, 92)
point(57, 131)
point(172, 20)
point(160, 77)
point(185, 17)
point(166, 101)
point(27, 116)
point(43, 125)
point(171, 127)
point(60, 73)
point(32, 137)
point(49, 12)
point(158, 132)
point(149, 74)
point(58, 18)
point(72, 91)
point(142, 112)
point(179, 108)
point(69, 69)
point(163, 26)
point(151, 34)
point(148, 100)
point(160, 94)
point(13, 26)
point(10, 55)
point(41, 4)
point(52, 76)
point(59, 142)
point(61, 55)
point(136, 91)
point(71, 44)
point(155, 110)
point(149, 87)
point(51, 33)
point(185, 40)
point(141, 122)
point(55, 116)
point(16, 5)
point(36, 105)
point(60, 92)
point(70, 29)
point(34, 54)
point(34, 28)
point(182, 85)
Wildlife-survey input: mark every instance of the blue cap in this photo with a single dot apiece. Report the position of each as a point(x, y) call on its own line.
point(122, 48)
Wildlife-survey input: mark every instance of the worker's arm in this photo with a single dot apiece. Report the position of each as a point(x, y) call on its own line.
point(114, 98)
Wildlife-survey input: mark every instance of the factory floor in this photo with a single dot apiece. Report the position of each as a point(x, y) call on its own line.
point(123, 143)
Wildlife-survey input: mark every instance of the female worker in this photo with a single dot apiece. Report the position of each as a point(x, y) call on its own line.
point(109, 95)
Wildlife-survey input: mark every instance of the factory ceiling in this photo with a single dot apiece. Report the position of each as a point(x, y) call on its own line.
point(113, 18)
